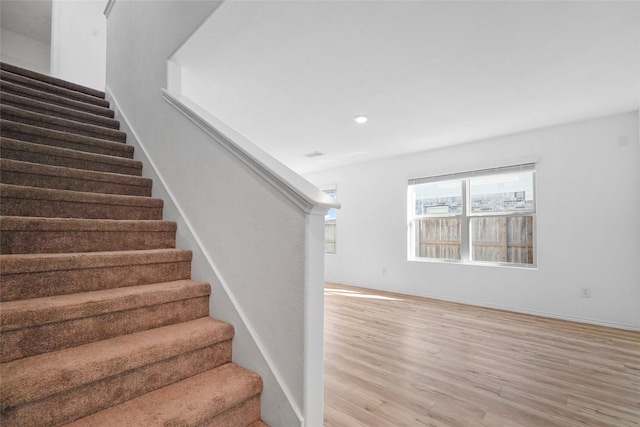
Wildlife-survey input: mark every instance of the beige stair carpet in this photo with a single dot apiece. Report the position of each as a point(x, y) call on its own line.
point(101, 322)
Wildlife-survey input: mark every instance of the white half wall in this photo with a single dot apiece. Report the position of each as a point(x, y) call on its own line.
point(24, 51)
point(588, 233)
point(249, 239)
point(79, 42)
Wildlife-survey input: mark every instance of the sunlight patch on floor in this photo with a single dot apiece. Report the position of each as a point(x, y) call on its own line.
point(356, 294)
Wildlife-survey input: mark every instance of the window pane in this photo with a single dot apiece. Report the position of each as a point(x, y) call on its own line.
point(438, 238)
point(511, 192)
point(331, 214)
point(330, 226)
point(502, 239)
point(330, 237)
point(437, 198)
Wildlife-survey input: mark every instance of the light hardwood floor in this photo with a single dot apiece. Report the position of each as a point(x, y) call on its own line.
point(398, 360)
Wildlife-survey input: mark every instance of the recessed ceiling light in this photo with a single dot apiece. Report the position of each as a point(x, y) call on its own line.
point(361, 119)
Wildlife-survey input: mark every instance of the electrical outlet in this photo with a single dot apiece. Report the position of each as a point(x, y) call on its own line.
point(384, 271)
point(585, 292)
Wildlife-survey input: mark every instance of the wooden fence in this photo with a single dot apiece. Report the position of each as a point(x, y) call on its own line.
point(494, 239)
point(439, 238)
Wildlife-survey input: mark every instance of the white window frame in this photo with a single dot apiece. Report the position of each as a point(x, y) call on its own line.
point(466, 215)
point(328, 221)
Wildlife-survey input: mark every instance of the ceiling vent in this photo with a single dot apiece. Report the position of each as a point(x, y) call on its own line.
point(314, 154)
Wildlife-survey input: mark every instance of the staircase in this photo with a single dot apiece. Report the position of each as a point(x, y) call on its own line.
point(101, 323)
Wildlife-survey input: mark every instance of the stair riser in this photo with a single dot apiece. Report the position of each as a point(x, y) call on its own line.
point(53, 89)
point(107, 134)
point(242, 415)
point(27, 342)
point(61, 241)
point(13, 206)
point(73, 184)
point(68, 114)
point(47, 155)
point(55, 99)
point(51, 80)
point(110, 149)
point(49, 283)
point(79, 402)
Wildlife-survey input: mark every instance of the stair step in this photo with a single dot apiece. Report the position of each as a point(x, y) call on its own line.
point(68, 158)
point(26, 276)
point(54, 138)
point(52, 88)
point(24, 235)
point(29, 104)
point(63, 125)
point(100, 321)
point(226, 396)
point(35, 326)
point(59, 387)
point(61, 178)
point(51, 80)
point(18, 200)
point(24, 91)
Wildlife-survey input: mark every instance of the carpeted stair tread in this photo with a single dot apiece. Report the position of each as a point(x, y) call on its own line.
point(27, 313)
point(63, 125)
point(53, 89)
point(63, 178)
point(38, 135)
point(24, 91)
point(33, 263)
point(59, 235)
point(56, 156)
point(28, 276)
point(10, 223)
point(40, 325)
point(54, 110)
point(20, 200)
point(85, 400)
point(196, 401)
point(100, 320)
point(51, 80)
point(77, 402)
point(34, 378)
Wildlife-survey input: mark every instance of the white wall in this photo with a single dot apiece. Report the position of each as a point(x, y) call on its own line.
point(250, 241)
point(588, 233)
point(79, 42)
point(24, 51)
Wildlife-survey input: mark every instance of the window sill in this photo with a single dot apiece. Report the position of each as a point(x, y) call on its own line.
point(475, 263)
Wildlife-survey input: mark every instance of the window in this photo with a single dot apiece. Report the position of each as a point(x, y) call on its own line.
point(481, 216)
point(330, 227)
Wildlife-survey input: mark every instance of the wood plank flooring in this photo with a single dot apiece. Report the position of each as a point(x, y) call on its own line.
point(398, 360)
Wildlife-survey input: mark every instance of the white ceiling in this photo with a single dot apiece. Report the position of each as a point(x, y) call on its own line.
point(31, 18)
point(290, 76)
